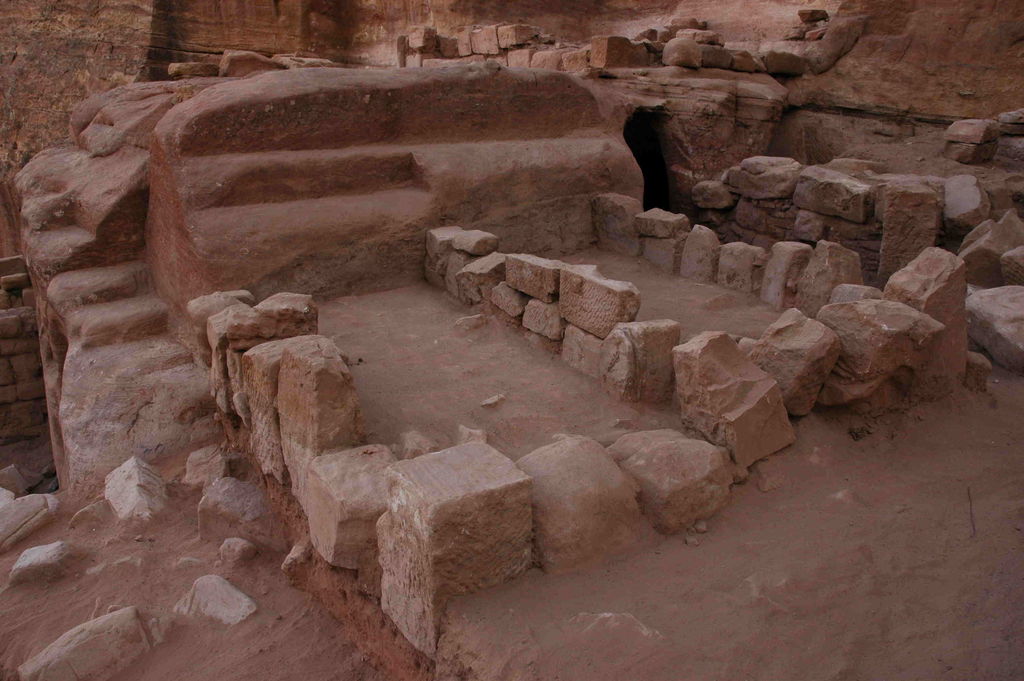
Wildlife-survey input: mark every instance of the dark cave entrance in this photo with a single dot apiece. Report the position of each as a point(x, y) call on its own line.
point(641, 135)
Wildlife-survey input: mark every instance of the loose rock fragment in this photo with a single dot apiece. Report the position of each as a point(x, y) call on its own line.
point(215, 597)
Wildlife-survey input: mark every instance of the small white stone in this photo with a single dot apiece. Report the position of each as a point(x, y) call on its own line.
point(214, 597)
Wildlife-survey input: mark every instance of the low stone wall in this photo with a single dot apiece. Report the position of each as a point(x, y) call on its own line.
point(22, 394)
point(887, 219)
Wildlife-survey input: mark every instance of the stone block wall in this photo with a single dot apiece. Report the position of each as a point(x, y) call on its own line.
point(22, 394)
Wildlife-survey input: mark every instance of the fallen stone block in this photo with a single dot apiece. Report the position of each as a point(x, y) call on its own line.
point(595, 303)
point(700, 36)
point(241, 63)
point(584, 507)
point(787, 261)
point(830, 265)
point(574, 61)
point(681, 480)
point(545, 319)
point(683, 52)
point(661, 223)
point(911, 215)
point(799, 353)
point(41, 563)
point(699, 259)
point(935, 283)
point(535, 276)
point(193, 69)
point(215, 597)
point(135, 491)
point(476, 280)
point(199, 311)
point(731, 401)
point(413, 443)
point(205, 465)
point(95, 650)
point(810, 16)
point(455, 262)
point(636, 360)
point(713, 194)
point(458, 521)
point(982, 250)
point(970, 154)
point(848, 293)
point(884, 345)
point(741, 267)
point(764, 177)
point(233, 508)
point(12, 480)
point(345, 496)
point(475, 242)
point(715, 57)
point(746, 62)
point(508, 300)
point(582, 351)
point(830, 192)
point(995, 321)
point(966, 204)
point(614, 217)
point(316, 402)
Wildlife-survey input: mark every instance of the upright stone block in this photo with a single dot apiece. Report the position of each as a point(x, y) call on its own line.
point(787, 261)
point(260, 370)
point(911, 217)
point(584, 506)
point(582, 351)
point(317, 403)
point(595, 303)
point(829, 266)
point(741, 267)
point(346, 494)
point(614, 217)
point(636, 360)
point(699, 260)
point(458, 521)
point(729, 399)
point(665, 254)
point(935, 283)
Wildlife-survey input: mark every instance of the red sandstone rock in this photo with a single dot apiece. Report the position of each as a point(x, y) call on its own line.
point(636, 360)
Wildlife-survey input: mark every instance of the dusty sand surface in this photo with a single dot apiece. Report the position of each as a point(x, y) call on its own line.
point(866, 561)
point(289, 637)
point(415, 371)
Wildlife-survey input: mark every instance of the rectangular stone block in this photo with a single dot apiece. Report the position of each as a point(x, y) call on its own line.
point(545, 319)
point(535, 276)
point(582, 351)
point(833, 193)
point(786, 263)
point(666, 254)
point(476, 279)
point(512, 35)
point(699, 259)
point(661, 223)
point(508, 300)
point(484, 40)
point(741, 267)
point(636, 360)
point(610, 52)
point(911, 217)
point(520, 59)
point(458, 521)
point(316, 402)
point(574, 61)
point(346, 494)
point(595, 303)
point(260, 367)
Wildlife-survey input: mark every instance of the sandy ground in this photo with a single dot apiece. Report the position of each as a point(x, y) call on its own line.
point(415, 371)
point(868, 560)
point(289, 637)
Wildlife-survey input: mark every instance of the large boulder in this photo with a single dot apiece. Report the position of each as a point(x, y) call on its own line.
point(984, 247)
point(681, 480)
point(935, 283)
point(95, 650)
point(729, 399)
point(799, 354)
point(996, 322)
point(584, 507)
point(884, 346)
